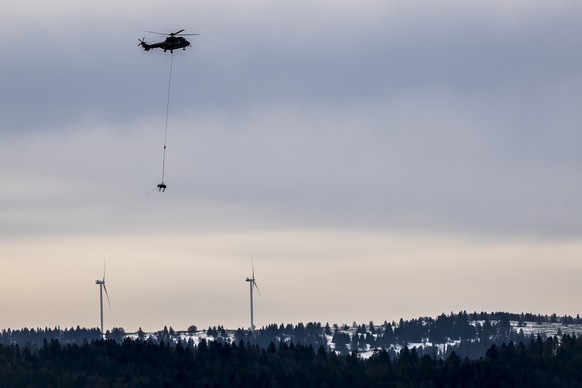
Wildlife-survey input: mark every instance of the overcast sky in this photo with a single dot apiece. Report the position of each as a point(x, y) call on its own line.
point(381, 159)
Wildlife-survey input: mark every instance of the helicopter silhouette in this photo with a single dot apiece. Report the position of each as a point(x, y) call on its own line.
point(174, 41)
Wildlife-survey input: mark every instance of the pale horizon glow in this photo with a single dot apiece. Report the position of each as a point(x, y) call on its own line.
point(304, 276)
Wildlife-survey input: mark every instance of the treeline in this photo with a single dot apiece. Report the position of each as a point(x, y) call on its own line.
point(528, 317)
point(466, 334)
point(539, 363)
point(35, 337)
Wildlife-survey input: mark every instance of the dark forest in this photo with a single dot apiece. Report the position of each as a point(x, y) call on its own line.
point(551, 362)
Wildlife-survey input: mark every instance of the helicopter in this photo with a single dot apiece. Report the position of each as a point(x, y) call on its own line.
point(174, 41)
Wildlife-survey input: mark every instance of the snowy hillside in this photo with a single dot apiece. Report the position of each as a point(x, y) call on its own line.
point(436, 337)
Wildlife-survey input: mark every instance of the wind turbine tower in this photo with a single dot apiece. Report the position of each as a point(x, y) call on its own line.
point(102, 287)
point(252, 285)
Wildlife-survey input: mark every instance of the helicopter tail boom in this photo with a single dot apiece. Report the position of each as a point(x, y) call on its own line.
point(145, 46)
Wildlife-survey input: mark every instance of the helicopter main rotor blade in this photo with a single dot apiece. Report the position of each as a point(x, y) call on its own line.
point(169, 34)
point(159, 33)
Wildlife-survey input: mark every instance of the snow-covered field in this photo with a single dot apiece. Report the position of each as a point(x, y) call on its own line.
point(547, 329)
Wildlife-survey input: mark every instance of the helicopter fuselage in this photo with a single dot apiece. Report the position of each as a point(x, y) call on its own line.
point(170, 43)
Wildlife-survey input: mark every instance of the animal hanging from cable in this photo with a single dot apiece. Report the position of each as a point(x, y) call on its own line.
point(174, 41)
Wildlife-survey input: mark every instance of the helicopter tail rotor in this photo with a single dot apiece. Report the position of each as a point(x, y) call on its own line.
point(143, 44)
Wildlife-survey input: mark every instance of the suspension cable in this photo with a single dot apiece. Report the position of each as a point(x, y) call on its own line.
point(167, 114)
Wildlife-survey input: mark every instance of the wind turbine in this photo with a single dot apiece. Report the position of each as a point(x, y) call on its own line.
point(252, 285)
point(101, 284)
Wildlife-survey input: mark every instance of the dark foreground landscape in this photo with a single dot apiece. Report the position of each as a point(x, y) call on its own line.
point(311, 355)
point(554, 362)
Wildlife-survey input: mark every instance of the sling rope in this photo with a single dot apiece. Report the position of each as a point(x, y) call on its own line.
point(167, 114)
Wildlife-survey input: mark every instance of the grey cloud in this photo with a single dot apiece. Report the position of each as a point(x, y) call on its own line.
point(347, 59)
point(440, 120)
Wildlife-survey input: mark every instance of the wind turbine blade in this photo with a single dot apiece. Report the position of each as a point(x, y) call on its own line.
point(257, 287)
point(107, 295)
point(104, 269)
point(252, 263)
